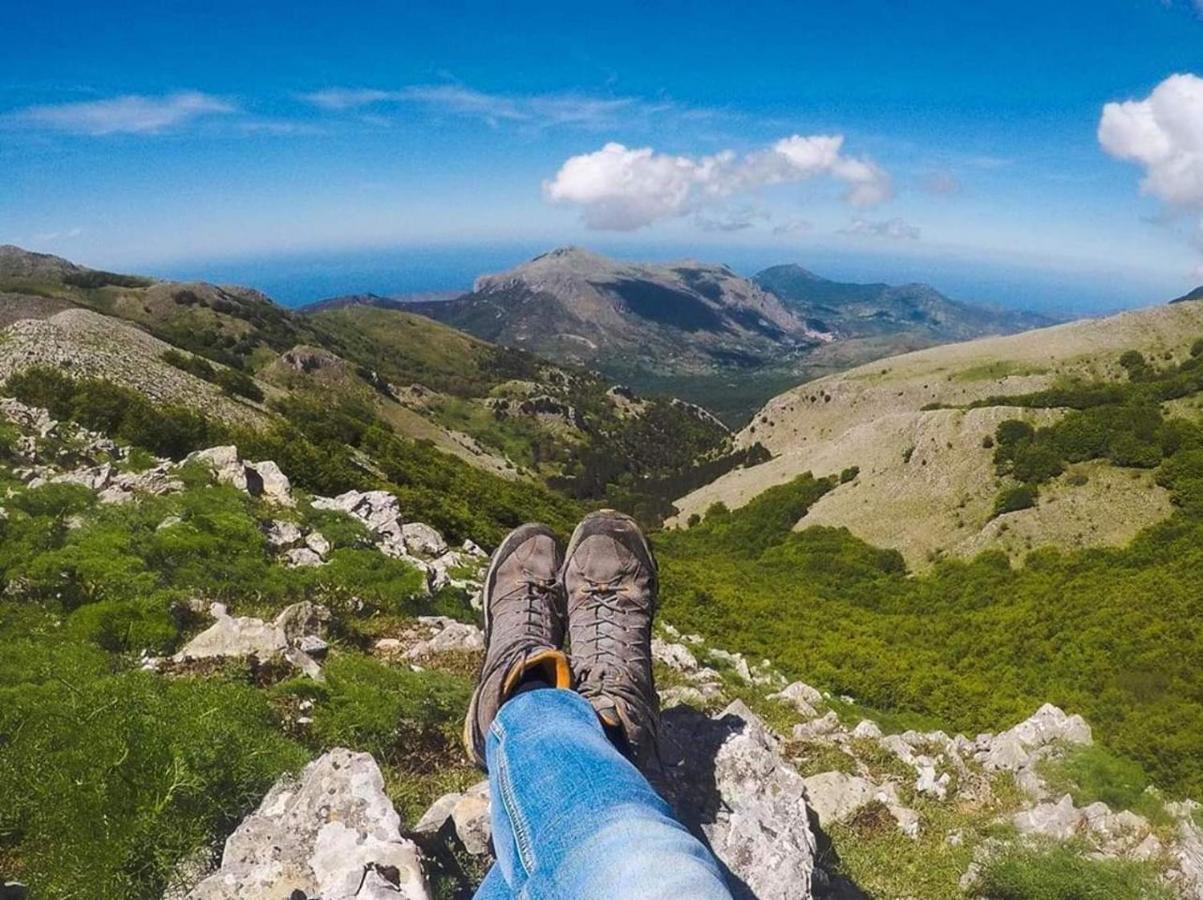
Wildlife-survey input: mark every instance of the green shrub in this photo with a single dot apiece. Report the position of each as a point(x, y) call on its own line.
point(849, 474)
point(1059, 873)
point(126, 625)
point(1014, 499)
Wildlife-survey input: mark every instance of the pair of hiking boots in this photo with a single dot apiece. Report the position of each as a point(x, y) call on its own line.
point(601, 594)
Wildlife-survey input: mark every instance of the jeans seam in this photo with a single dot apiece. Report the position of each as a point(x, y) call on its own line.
point(522, 838)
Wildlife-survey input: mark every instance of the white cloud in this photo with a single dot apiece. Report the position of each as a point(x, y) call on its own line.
point(793, 225)
point(540, 109)
point(129, 114)
point(338, 99)
point(894, 229)
point(620, 188)
point(1163, 134)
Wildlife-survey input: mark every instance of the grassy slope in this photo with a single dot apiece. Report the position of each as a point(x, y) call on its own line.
point(927, 484)
point(1111, 633)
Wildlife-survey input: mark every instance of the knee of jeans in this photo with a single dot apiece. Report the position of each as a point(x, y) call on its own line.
point(646, 855)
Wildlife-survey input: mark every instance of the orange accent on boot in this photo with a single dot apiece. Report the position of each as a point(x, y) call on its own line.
point(555, 670)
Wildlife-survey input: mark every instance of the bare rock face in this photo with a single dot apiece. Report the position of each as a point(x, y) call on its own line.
point(330, 833)
point(729, 782)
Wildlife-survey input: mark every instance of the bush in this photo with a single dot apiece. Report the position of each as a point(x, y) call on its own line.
point(849, 474)
point(1014, 499)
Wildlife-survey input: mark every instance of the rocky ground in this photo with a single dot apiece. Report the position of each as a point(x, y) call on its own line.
point(793, 789)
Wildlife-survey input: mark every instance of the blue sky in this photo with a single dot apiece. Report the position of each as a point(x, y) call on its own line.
point(951, 142)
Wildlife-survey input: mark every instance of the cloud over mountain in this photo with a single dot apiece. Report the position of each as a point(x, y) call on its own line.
point(622, 189)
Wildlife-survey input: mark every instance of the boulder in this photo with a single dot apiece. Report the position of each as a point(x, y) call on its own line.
point(1049, 724)
point(675, 656)
point(836, 796)
point(1059, 820)
point(316, 541)
point(448, 636)
point(273, 484)
point(803, 697)
point(823, 727)
point(422, 540)
point(301, 557)
point(262, 479)
point(330, 833)
point(235, 636)
point(729, 782)
point(243, 637)
point(283, 534)
point(867, 729)
point(470, 814)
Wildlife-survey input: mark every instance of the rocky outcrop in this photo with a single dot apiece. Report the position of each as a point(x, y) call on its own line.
point(262, 479)
point(729, 782)
point(330, 833)
point(295, 635)
point(462, 817)
point(414, 542)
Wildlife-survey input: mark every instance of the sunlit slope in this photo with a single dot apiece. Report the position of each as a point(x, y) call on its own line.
point(927, 483)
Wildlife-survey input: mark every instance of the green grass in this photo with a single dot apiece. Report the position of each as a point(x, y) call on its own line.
point(1060, 873)
point(1093, 773)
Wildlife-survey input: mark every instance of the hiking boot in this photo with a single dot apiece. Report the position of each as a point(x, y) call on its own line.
point(610, 578)
point(524, 627)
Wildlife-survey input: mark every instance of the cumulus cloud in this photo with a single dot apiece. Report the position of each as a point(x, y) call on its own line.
point(621, 188)
point(894, 229)
point(1163, 134)
point(129, 114)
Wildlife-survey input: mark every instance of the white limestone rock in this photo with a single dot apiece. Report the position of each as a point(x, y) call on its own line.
point(331, 833)
point(1060, 820)
point(729, 781)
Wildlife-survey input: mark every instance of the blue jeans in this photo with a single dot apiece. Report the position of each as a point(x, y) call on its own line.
point(574, 820)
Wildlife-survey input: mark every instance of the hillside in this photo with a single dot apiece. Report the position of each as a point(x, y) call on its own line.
point(911, 312)
point(232, 353)
point(701, 332)
point(920, 428)
point(207, 665)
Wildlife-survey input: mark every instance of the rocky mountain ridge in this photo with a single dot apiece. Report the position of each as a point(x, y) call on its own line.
point(701, 331)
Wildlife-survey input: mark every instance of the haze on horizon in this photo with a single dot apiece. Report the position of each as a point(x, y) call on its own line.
point(1043, 156)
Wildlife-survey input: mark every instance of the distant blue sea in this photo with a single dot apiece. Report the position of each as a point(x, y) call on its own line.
point(295, 279)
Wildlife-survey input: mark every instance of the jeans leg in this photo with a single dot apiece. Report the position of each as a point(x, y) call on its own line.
point(573, 818)
point(494, 886)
